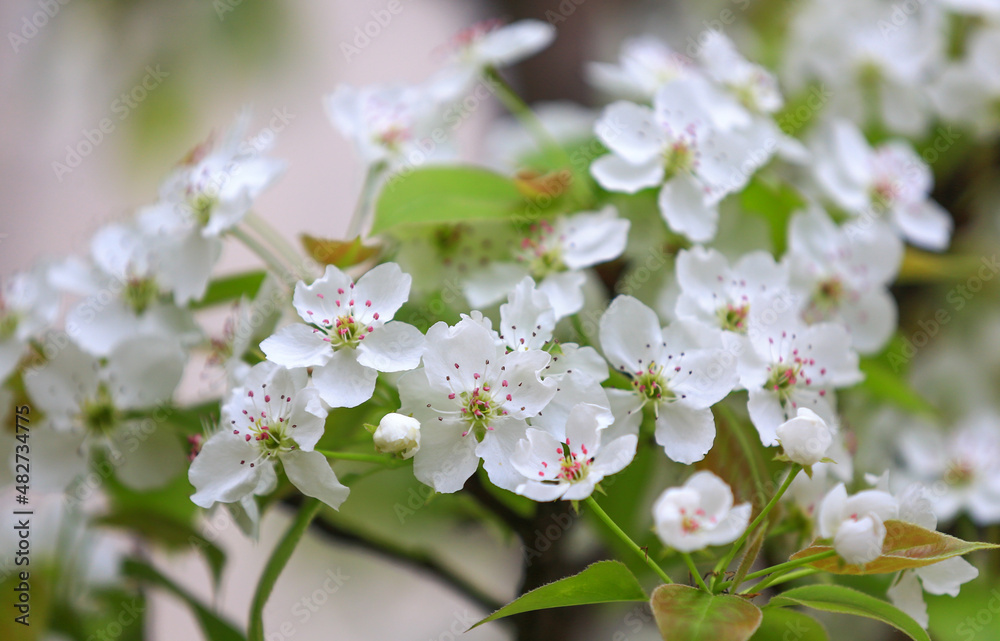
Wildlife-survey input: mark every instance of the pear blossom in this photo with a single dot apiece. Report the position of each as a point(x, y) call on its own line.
point(527, 322)
point(699, 513)
point(350, 333)
point(206, 196)
point(856, 523)
point(28, 305)
point(844, 274)
point(790, 365)
point(874, 65)
point(960, 465)
point(755, 86)
point(86, 401)
point(554, 254)
point(720, 296)
point(491, 43)
point(570, 469)
point(806, 438)
point(472, 399)
point(679, 147)
point(890, 180)
point(397, 434)
point(967, 91)
point(386, 122)
point(645, 64)
point(272, 417)
point(944, 577)
point(668, 372)
point(126, 290)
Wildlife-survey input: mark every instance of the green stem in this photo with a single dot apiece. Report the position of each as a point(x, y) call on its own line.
point(601, 514)
point(287, 277)
point(266, 231)
point(279, 558)
point(781, 567)
point(722, 565)
point(356, 226)
point(778, 578)
point(694, 572)
point(364, 458)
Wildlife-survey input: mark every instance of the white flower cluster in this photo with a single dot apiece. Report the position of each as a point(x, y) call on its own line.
point(538, 373)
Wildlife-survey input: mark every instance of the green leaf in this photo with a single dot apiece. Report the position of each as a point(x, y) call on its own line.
point(884, 384)
point(776, 203)
point(601, 582)
point(437, 195)
point(684, 613)
point(214, 627)
point(844, 600)
point(169, 532)
point(780, 624)
point(906, 546)
point(228, 288)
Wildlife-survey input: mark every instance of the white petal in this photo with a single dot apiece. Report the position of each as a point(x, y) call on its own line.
point(497, 449)
point(925, 224)
point(684, 205)
point(535, 457)
point(529, 394)
point(186, 265)
point(343, 381)
point(871, 320)
point(218, 474)
point(767, 414)
point(460, 352)
point(142, 372)
point(706, 376)
point(445, 459)
point(626, 406)
point(64, 383)
point(831, 511)
point(317, 303)
point(386, 286)
point(947, 576)
point(151, 454)
point(307, 418)
point(686, 433)
point(311, 473)
point(493, 284)
point(514, 42)
point(393, 347)
point(731, 527)
point(527, 319)
point(616, 174)
point(572, 390)
point(908, 596)
point(564, 291)
point(58, 458)
point(630, 333)
point(590, 239)
point(297, 345)
point(630, 132)
point(715, 497)
point(616, 455)
point(544, 492)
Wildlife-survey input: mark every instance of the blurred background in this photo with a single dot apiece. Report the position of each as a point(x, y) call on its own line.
point(101, 98)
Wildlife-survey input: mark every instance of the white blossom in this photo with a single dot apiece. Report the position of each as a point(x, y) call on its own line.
point(698, 514)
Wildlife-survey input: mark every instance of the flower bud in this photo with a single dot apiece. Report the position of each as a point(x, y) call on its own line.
point(860, 541)
point(397, 434)
point(805, 438)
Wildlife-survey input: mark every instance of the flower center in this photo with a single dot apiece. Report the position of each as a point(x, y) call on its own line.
point(480, 409)
point(783, 379)
point(99, 415)
point(201, 206)
point(825, 300)
point(574, 466)
point(268, 427)
point(692, 523)
point(9, 320)
point(348, 329)
point(883, 194)
point(651, 385)
point(678, 157)
point(542, 251)
point(733, 317)
point(959, 473)
point(139, 293)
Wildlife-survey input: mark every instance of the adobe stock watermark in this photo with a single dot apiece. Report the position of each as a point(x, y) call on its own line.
point(122, 107)
point(32, 25)
point(309, 604)
point(366, 33)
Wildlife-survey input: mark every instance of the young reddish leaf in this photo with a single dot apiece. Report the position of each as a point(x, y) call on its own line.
point(684, 613)
point(339, 253)
point(906, 546)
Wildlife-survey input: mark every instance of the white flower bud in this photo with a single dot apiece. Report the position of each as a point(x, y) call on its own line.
point(805, 438)
point(397, 434)
point(860, 541)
